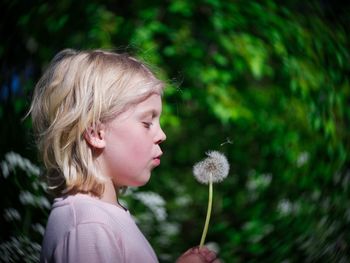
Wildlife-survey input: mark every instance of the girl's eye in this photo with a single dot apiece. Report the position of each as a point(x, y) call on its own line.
point(147, 124)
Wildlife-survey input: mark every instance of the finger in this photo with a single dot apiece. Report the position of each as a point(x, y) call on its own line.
point(189, 251)
point(210, 256)
point(193, 250)
point(203, 250)
point(192, 258)
point(196, 250)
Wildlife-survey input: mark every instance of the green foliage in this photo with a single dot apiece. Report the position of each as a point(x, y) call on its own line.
point(266, 83)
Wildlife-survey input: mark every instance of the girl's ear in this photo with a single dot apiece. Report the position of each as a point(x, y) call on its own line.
point(95, 137)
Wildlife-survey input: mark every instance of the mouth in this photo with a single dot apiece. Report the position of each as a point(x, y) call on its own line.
point(156, 160)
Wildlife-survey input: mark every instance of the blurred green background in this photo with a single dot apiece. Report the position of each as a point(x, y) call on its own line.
point(265, 82)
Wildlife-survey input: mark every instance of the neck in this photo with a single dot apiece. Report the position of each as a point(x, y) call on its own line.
point(109, 195)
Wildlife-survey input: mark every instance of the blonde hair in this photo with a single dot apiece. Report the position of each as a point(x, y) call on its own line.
point(81, 89)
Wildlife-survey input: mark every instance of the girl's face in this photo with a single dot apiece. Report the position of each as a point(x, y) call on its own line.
point(132, 143)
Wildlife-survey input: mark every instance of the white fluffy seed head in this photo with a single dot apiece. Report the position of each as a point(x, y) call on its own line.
point(215, 168)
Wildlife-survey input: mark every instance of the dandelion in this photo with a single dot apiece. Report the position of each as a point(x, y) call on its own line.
point(212, 169)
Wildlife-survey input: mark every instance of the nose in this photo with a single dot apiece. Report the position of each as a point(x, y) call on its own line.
point(161, 137)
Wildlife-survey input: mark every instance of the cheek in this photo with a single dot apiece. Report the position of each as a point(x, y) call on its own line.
point(136, 144)
point(140, 146)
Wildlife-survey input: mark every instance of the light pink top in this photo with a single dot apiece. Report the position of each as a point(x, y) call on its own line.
point(84, 229)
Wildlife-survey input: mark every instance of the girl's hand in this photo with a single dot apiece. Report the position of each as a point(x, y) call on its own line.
point(198, 255)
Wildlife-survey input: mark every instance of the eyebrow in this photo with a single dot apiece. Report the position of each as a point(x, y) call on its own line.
point(151, 112)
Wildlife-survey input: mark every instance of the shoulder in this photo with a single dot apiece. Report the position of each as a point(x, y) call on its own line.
point(83, 209)
point(88, 242)
point(81, 221)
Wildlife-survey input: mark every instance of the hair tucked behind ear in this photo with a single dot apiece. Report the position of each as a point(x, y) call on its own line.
point(79, 90)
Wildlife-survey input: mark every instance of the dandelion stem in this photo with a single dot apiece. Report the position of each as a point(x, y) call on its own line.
point(210, 204)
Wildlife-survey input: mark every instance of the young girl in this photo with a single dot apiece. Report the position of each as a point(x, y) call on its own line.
point(96, 117)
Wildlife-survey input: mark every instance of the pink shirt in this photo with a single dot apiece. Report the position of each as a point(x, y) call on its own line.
point(84, 229)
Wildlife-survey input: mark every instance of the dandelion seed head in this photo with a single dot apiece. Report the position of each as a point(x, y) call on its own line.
point(214, 167)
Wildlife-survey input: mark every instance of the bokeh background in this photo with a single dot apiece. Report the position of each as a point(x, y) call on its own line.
point(265, 82)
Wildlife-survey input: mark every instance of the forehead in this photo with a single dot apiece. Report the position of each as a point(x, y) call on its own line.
point(152, 104)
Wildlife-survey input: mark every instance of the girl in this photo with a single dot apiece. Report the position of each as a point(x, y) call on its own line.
point(96, 117)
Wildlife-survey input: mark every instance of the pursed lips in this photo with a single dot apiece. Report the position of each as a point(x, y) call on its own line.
point(156, 160)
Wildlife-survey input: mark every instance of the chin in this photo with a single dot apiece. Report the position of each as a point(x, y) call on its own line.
point(144, 182)
point(141, 182)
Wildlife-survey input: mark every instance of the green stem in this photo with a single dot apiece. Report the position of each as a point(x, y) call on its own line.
point(210, 204)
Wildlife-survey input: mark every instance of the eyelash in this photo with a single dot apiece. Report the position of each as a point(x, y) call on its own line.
point(147, 124)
